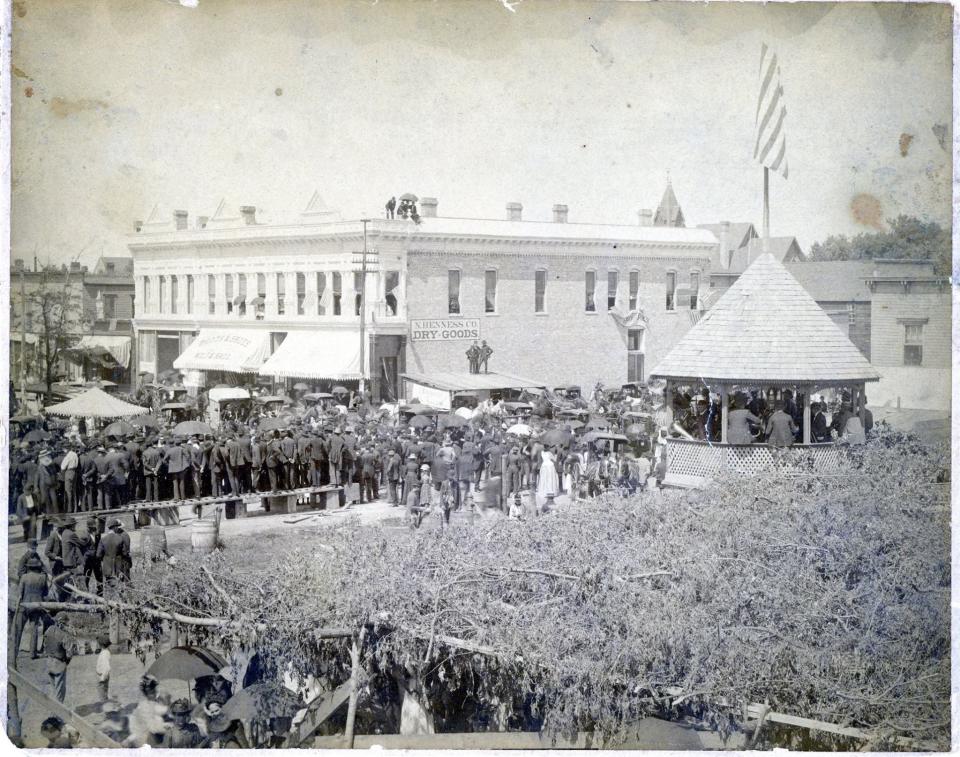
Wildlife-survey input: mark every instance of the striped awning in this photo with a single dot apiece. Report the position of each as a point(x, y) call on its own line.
point(321, 354)
point(238, 351)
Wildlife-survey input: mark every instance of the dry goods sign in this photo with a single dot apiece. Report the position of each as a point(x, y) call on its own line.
point(444, 330)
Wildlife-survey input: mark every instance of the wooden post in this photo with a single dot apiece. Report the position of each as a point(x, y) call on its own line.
point(806, 415)
point(724, 411)
point(862, 406)
point(354, 688)
point(504, 485)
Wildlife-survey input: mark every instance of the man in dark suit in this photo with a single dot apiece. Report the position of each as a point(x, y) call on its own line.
point(302, 467)
point(275, 461)
point(119, 469)
point(257, 459)
point(335, 456)
point(234, 463)
point(368, 474)
point(819, 431)
point(134, 449)
point(318, 459)
point(246, 447)
point(152, 460)
point(114, 553)
point(88, 479)
point(103, 478)
point(289, 446)
point(177, 459)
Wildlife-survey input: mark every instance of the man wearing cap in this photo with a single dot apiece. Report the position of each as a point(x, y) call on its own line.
point(134, 448)
point(302, 467)
point(56, 648)
point(335, 456)
point(246, 447)
point(289, 447)
point(118, 470)
point(368, 474)
point(234, 462)
point(53, 550)
point(392, 474)
point(88, 478)
point(69, 465)
point(91, 562)
point(114, 553)
point(257, 450)
point(73, 546)
point(197, 465)
point(47, 482)
point(183, 734)
point(103, 477)
point(319, 467)
point(275, 461)
point(32, 588)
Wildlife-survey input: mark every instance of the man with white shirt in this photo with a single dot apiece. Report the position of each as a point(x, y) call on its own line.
point(69, 465)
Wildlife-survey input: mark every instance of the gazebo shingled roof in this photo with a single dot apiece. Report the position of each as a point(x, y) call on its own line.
point(96, 403)
point(766, 329)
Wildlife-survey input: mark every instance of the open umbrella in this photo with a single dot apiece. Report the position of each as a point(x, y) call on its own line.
point(418, 409)
point(167, 373)
point(37, 435)
point(318, 396)
point(186, 663)
point(261, 701)
point(340, 390)
point(189, 428)
point(301, 387)
point(464, 412)
point(520, 429)
point(144, 421)
point(420, 421)
point(119, 429)
point(596, 436)
point(271, 424)
point(408, 196)
point(556, 436)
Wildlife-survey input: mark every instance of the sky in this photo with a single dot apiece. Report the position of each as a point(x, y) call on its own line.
point(123, 105)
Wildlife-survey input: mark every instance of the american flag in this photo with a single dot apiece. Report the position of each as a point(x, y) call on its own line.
point(771, 146)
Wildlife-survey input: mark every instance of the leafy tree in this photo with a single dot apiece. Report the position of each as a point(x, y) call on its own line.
point(909, 238)
point(824, 593)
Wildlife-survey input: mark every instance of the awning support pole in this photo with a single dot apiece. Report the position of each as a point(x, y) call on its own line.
point(724, 410)
point(806, 415)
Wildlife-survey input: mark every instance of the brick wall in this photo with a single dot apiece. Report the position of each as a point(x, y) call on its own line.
point(564, 345)
point(887, 333)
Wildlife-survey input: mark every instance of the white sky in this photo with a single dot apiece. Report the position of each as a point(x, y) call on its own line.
point(142, 102)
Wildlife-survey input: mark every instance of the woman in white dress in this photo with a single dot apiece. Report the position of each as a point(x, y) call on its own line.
point(548, 483)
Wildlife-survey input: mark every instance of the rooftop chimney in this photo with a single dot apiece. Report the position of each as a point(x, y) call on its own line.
point(137, 225)
point(180, 219)
point(202, 221)
point(725, 259)
point(514, 211)
point(428, 207)
point(74, 266)
point(249, 213)
point(559, 213)
point(646, 217)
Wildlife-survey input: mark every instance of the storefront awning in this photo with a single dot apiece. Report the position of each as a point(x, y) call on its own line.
point(117, 346)
point(321, 354)
point(239, 351)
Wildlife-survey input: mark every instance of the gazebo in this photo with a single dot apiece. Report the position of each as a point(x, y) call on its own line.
point(765, 331)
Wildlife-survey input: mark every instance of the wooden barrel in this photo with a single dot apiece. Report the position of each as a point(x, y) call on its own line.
point(204, 535)
point(153, 542)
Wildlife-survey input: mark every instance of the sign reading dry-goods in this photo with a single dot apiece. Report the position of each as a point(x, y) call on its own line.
point(445, 329)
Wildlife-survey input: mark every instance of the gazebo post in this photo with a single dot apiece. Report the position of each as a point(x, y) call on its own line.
point(806, 415)
point(724, 402)
point(668, 397)
point(861, 405)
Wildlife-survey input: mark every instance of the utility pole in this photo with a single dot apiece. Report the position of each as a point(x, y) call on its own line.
point(363, 311)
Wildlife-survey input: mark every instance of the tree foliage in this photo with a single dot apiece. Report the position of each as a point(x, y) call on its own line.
point(824, 595)
point(908, 238)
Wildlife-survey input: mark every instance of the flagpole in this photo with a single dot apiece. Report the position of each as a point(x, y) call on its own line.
point(766, 209)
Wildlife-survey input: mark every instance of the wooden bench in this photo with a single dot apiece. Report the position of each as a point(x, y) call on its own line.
point(328, 497)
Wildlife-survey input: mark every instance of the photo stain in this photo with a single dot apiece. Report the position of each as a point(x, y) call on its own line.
point(62, 107)
point(20, 8)
point(867, 211)
point(905, 140)
point(20, 73)
point(28, 91)
point(278, 91)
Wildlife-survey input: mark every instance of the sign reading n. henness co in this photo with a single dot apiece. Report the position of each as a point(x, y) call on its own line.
point(444, 330)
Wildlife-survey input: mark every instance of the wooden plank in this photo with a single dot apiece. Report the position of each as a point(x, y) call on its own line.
point(317, 713)
point(88, 732)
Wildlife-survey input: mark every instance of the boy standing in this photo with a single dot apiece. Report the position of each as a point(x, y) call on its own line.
point(103, 667)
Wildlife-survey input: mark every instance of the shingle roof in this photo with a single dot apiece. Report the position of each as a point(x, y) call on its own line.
point(669, 212)
point(766, 328)
point(834, 280)
point(779, 247)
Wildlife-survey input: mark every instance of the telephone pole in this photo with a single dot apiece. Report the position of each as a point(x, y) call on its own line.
point(363, 311)
point(23, 341)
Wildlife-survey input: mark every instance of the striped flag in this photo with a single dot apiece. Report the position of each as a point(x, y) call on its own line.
point(771, 146)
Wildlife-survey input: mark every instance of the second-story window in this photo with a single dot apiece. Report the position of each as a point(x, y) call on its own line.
point(163, 294)
point(540, 291)
point(242, 294)
point(146, 294)
point(634, 288)
point(453, 292)
point(613, 280)
point(490, 292)
point(671, 290)
point(337, 293)
point(357, 291)
point(190, 293)
point(211, 294)
point(694, 289)
point(229, 293)
point(391, 285)
point(109, 306)
point(281, 294)
point(322, 294)
point(590, 281)
point(301, 293)
point(174, 293)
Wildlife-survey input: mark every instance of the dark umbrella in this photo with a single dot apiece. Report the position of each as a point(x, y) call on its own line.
point(189, 428)
point(261, 701)
point(37, 435)
point(119, 429)
point(420, 421)
point(556, 436)
point(186, 663)
point(144, 421)
point(419, 410)
point(450, 420)
point(408, 196)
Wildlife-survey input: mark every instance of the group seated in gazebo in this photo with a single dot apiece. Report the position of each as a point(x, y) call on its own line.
point(764, 342)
